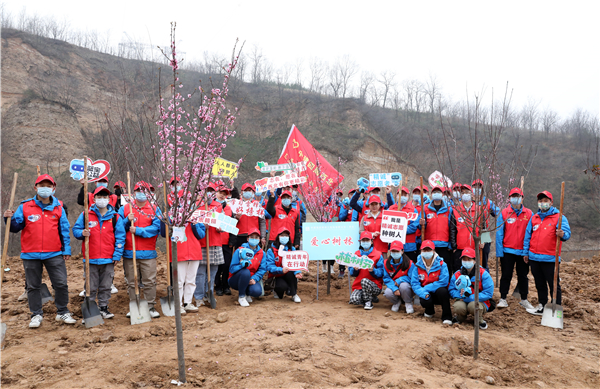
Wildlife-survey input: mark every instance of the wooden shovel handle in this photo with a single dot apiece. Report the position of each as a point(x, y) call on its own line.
point(556, 253)
point(7, 226)
point(132, 235)
point(86, 214)
point(422, 212)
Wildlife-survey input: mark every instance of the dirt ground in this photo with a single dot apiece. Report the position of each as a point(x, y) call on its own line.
point(324, 343)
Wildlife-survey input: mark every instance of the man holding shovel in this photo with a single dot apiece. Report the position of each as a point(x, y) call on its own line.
point(45, 242)
point(540, 245)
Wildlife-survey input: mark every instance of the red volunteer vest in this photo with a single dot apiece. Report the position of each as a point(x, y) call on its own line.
point(112, 200)
point(464, 238)
point(374, 225)
point(190, 250)
point(141, 220)
point(543, 235)
point(280, 219)
point(42, 229)
point(277, 262)
point(102, 239)
point(214, 237)
point(364, 273)
point(246, 223)
point(437, 225)
point(430, 278)
point(255, 263)
point(515, 227)
point(390, 269)
point(481, 270)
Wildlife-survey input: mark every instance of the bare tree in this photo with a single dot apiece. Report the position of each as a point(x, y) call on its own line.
point(318, 71)
point(387, 81)
point(549, 121)
point(256, 64)
point(433, 92)
point(366, 80)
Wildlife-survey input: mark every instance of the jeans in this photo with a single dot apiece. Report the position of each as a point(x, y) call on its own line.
point(201, 287)
point(57, 271)
point(508, 263)
point(240, 281)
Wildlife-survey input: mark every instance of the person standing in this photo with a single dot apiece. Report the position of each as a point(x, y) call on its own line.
point(437, 222)
point(371, 222)
point(490, 209)
point(284, 215)
point(227, 242)
point(412, 232)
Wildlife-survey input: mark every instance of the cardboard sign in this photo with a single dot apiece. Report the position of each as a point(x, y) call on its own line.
point(353, 260)
point(179, 235)
point(325, 240)
point(225, 168)
point(264, 167)
point(378, 180)
point(248, 208)
point(394, 224)
point(294, 260)
point(96, 169)
point(273, 183)
point(438, 179)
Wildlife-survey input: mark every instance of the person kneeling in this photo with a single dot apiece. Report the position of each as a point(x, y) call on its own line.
point(247, 269)
point(368, 283)
point(429, 279)
point(285, 280)
point(396, 277)
point(461, 288)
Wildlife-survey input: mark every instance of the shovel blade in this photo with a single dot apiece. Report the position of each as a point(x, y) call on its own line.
point(46, 295)
point(553, 318)
point(91, 314)
point(3, 325)
point(211, 298)
point(516, 293)
point(139, 312)
point(167, 304)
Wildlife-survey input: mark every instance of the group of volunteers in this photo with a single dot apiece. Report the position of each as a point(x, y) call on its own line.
point(436, 262)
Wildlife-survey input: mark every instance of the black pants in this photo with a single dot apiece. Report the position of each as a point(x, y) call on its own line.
point(285, 282)
point(412, 255)
point(486, 254)
point(444, 252)
point(223, 270)
point(439, 297)
point(455, 263)
point(543, 275)
point(508, 262)
point(239, 241)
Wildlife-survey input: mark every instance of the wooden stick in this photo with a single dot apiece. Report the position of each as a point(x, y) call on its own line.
point(168, 239)
point(522, 182)
point(135, 278)
point(7, 227)
point(86, 213)
point(422, 212)
point(557, 251)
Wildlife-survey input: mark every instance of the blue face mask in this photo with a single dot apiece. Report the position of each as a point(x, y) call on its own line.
point(284, 240)
point(101, 184)
point(286, 202)
point(468, 264)
point(365, 245)
point(248, 195)
point(139, 196)
point(427, 254)
point(220, 201)
point(477, 191)
point(44, 192)
point(396, 254)
point(253, 242)
point(403, 199)
point(515, 201)
point(436, 196)
point(417, 198)
point(466, 197)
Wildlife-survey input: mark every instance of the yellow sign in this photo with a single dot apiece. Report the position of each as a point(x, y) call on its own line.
point(225, 168)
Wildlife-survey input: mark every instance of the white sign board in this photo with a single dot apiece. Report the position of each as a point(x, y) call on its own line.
point(273, 183)
point(394, 225)
point(438, 179)
point(378, 180)
point(248, 208)
point(294, 260)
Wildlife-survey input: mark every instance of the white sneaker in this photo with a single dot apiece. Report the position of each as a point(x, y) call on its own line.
point(249, 299)
point(128, 314)
point(427, 315)
point(190, 307)
point(243, 302)
point(526, 304)
point(36, 321)
point(183, 311)
point(66, 318)
point(154, 313)
point(396, 307)
point(23, 296)
point(113, 289)
point(82, 293)
point(447, 322)
point(275, 295)
point(409, 308)
point(297, 299)
point(502, 304)
point(199, 304)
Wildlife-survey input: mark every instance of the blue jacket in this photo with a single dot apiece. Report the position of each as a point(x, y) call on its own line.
point(500, 249)
point(377, 271)
point(18, 222)
point(236, 267)
point(272, 267)
point(487, 291)
point(357, 204)
point(444, 208)
point(119, 233)
point(144, 232)
point(442, 281)
point(542, 257)
point(387, 277)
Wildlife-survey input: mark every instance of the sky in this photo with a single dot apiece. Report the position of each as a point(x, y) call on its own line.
point(547, 51)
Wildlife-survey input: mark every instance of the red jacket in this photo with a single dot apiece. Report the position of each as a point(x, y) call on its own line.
point(141, 220)
point(214, 237)
point(190, 250)
point(515, 227)
point(543, 235)
point(364, 273)
point(374, 225)
point(42, 229)
point(281, 218)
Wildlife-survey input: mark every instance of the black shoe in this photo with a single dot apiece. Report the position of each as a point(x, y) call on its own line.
point(375, 299)
point(455, 320)
point(368, 305)
point(105, 313)
point(219, 292)
point(341, 275)
point(227, 292)
point(483, 325)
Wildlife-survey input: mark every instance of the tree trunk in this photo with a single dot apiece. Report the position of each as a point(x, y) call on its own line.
point(177, 298)
point(476, 287)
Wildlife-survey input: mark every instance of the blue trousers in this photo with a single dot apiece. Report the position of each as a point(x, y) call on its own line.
point(240, 281)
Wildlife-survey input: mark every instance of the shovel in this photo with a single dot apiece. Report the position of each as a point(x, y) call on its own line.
point(553, 313)
point(516, 294)
point(168, 303)
point(89, 309)
point(46, 295)
point(5, 248)
point(211, 296)
point(139, 311)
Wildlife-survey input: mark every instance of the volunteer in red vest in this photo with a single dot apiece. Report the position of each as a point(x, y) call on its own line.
point(510, 235)
point(285, 280)
point(438, 218)
point(396, 276)
point(248, 266)
point(106, 232)
point(429, 280)
point(120, 189)
point(540, 247)
point(284, 215)
point(144, 223)
point(462, 290)
point(372, 222)
point(416, 195)
point(461, 227)
point(413, 233)
point(362, 207)
point(215, 250)
point(246, 223)
point(490, 207)
point(227, 241)
point(45, 243)
point(368, 282)
point(101, 183)
point(456, 194)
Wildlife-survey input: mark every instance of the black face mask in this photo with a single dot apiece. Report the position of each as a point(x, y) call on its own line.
point(118, 191)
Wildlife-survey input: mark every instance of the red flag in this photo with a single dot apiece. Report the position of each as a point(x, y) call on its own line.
point(320, 174)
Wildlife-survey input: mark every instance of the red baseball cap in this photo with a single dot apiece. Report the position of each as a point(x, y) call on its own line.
point(403, 189)
point(248, 186)
point(457, 185)
point(103, 179)
point(428, 244)
point(101, 189)
point(213, 186)
point(253, 230)
point(366, 235)
point(223, 188)
point(466, 186)
point(515, 191)
point(45, 177)
point(374, 199)
point(339, 192)
point(468, 252)
point(418, 187)
point(120, 184)
point(545, 193)
point(437, 187)
point(283, 229)
point(369, 189)
point(143, 184)
point(352, 191)
point(477, 181)
point(173, 180)
point(396, 245)
point(286, 192)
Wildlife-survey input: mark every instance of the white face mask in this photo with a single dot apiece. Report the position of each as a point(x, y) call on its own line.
point(101, 203)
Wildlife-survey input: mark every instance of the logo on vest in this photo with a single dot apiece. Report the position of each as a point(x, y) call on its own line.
point(282, 216)
point(511, 220)
point(367, 211)
point(92, 224)
point(536, 227)
point(366, 223)
point(421, 277)
point(430, 216)
point(34, 218)
point(461, 220)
